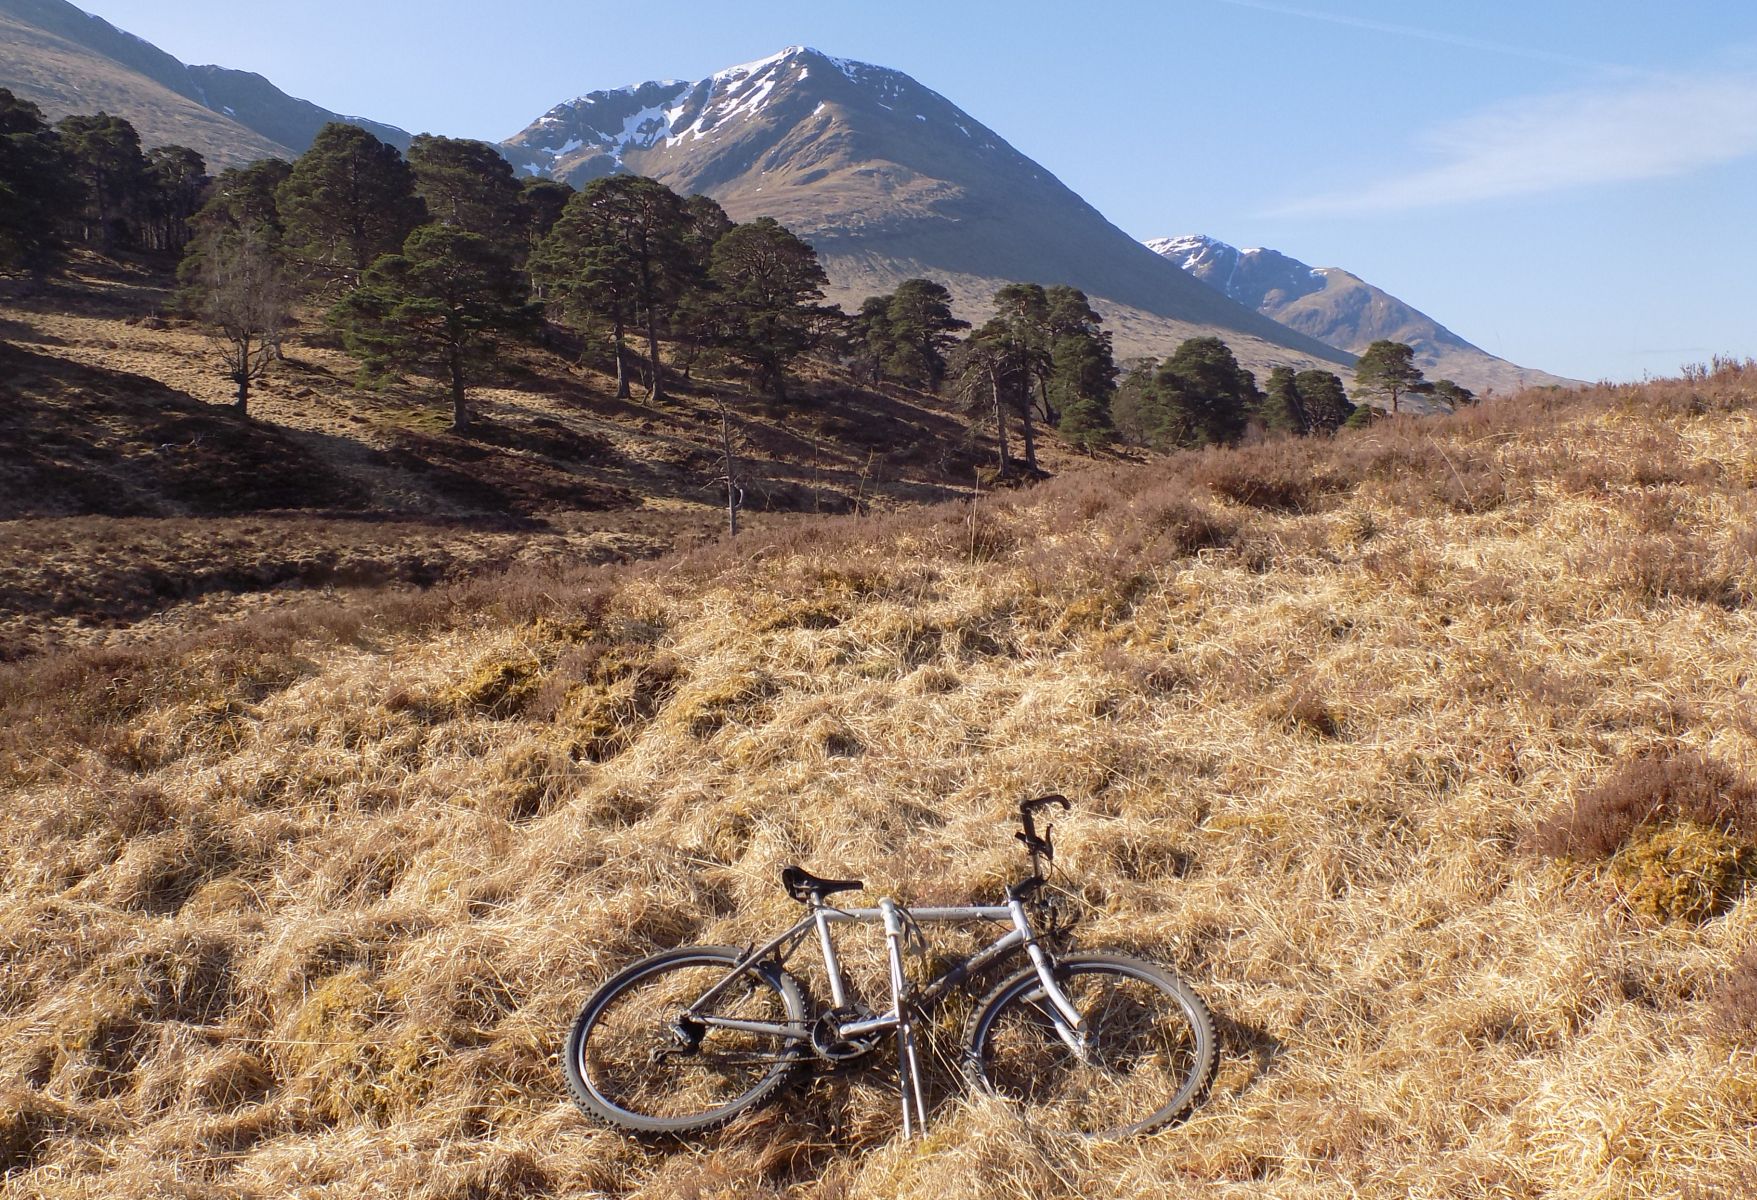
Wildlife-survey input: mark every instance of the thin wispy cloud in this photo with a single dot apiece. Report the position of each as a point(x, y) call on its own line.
point(1651, 130)
point(1429, 35)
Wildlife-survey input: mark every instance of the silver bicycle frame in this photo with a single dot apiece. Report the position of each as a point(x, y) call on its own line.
point(1069, 1025)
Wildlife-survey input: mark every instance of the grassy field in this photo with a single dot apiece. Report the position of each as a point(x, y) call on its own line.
point(1426, 754)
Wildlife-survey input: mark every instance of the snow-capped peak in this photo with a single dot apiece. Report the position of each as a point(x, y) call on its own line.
point(607, 124)
point(744, 70)
point(1191, 250)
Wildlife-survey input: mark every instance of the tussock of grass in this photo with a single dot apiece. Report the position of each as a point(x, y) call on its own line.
point(301, 907)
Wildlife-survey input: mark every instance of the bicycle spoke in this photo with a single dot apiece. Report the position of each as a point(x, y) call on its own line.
point(1140, 1051)
point(637, 1061)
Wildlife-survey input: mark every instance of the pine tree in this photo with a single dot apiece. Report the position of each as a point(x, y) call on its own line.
point(1136, 410)
point(107, 160)
point(1387, 370)
point(983, 375)
point(1362, 416)
point(468, 185)
point(1082, 369)
point(1205, 394)
point(1324, 400)
point(541, 203)
point(1283, 410)
point(176, 182)
point(1455, 395)
point(348, 200)
point(1083, 377)
point(37, 187)
point(697, 316)
point(446, 301)
point(618, 253)
point(1000, 366)
point(245, 198)
point(921, 328)
point(768, 284)
point(870, 337)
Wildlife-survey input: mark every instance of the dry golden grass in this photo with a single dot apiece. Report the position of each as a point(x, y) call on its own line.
point(301, 908)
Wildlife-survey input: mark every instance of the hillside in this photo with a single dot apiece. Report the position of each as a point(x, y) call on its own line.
point(1341, 309)
point(889, 180)
point(65, 61)
point(299, 907)
point(133, 494)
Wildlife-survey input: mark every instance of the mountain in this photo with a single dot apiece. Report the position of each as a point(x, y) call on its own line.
point(888, 180)
point(66, 61)
point(1342, 310)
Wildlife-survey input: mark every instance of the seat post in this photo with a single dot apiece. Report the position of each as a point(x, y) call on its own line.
point(832, 967)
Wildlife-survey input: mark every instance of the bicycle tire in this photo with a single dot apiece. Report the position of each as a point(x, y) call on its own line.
point(615, 1066)
point(1152, 1036)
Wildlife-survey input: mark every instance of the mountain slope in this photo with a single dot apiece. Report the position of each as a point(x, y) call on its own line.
point(66, 60)
point(888, 179)
point(1342, 310)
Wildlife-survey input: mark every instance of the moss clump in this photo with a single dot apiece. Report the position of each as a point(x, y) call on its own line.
point(704, 709)
point(801, 614)
point(605, 714)
point(335, 1050)
point(498, 687)
point(1684, 872)
point(348, 1061)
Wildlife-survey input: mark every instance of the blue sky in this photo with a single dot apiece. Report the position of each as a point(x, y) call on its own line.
point(1567, 183)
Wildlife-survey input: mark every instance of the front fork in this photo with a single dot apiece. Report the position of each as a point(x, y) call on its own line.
point(1070, 1026)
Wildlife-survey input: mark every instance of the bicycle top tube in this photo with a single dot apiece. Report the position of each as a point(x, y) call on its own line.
point(996, 912)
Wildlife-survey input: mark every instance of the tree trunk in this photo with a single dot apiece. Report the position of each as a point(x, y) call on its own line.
point(241, 377)
point(621, 360)
point(1029, 434)
point(460, 406)
point(1000, 421)
point(734, 493)
point(656, 388)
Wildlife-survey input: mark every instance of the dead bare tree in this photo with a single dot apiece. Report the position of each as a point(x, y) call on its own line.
point(245, 297)
point(732, 475)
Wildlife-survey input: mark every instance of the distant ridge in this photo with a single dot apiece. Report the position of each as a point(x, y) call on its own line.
point(65, 60)
point(1342, 310)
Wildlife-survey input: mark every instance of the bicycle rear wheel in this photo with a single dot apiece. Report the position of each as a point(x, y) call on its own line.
point(627, 1063)
point(1150, 1052)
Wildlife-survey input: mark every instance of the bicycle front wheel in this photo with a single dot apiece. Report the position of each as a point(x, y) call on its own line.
point(1149, 1052)
point(633, 1061)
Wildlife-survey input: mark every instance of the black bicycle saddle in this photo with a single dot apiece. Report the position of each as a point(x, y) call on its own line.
point(802, 885)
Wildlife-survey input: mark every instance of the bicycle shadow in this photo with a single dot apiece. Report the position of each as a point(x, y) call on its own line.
point(1254, 1045)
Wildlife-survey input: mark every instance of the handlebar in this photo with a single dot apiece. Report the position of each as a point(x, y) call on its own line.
point(1034, 844)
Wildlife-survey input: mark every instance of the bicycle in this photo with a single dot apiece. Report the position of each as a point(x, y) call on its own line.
point(1094, 1044)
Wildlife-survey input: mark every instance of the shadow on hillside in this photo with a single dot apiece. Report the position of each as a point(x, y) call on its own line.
point(92, 440)
point(20, 331)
